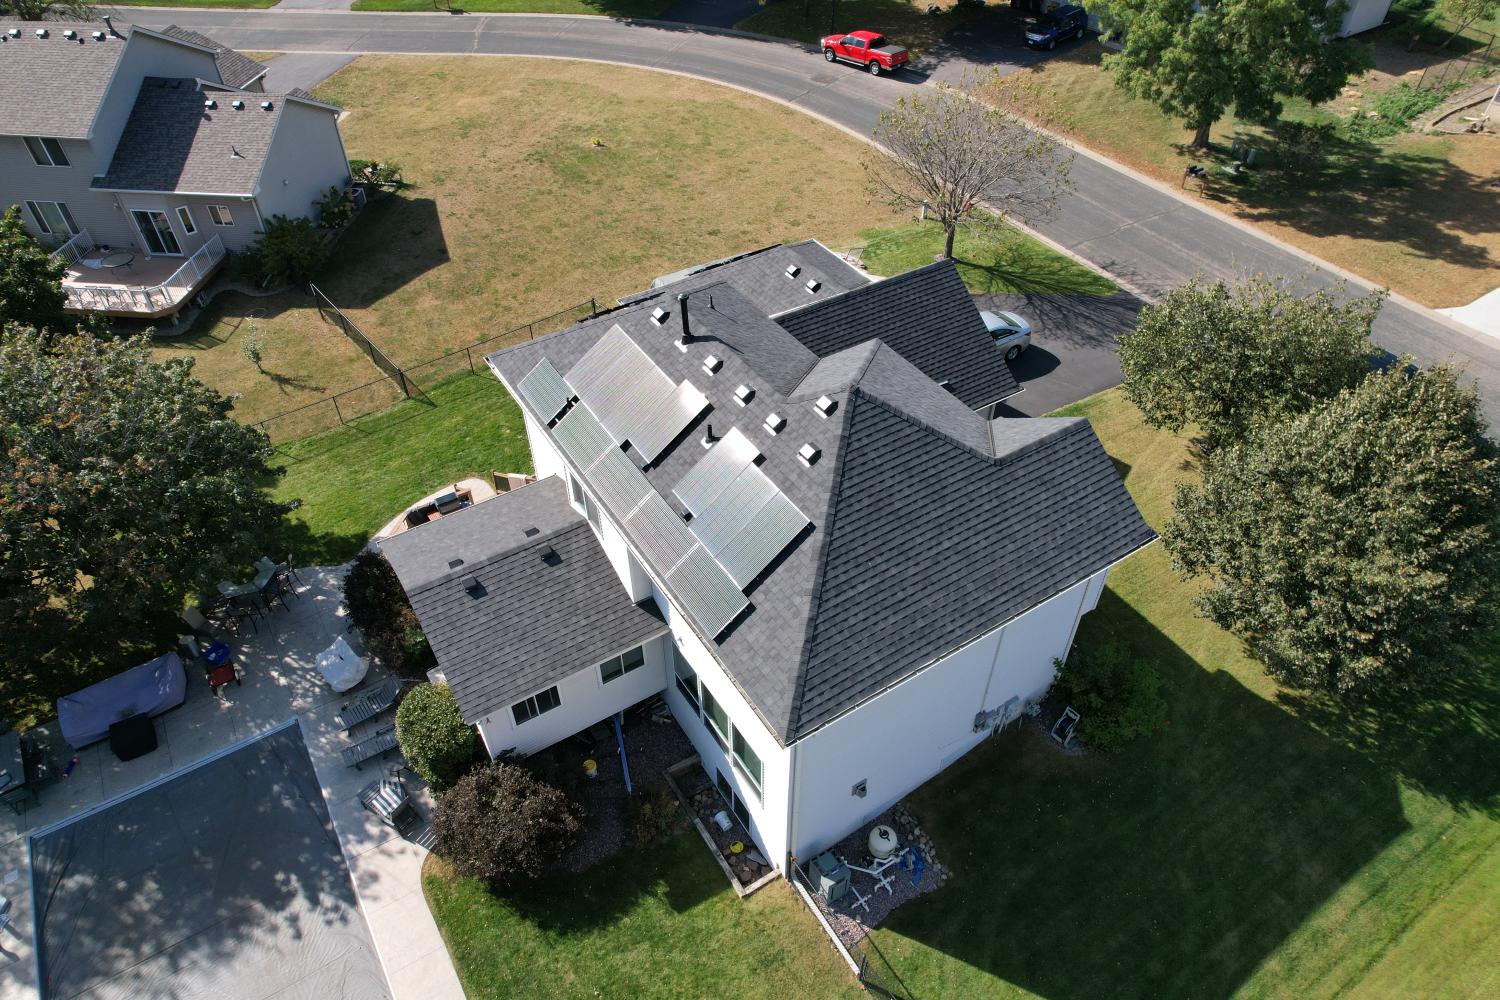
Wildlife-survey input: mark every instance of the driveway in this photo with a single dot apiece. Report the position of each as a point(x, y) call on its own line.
point(1140, 232)
point(1072, 353)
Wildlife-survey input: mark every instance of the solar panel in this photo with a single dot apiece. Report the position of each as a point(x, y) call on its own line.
point(595, 366)
point(662, 536)
point(715, 470)
point(706, 591)
point(545, 390)
point(581, 437)
point(659, 426)
point(733, 508)
point(771, 529)
point(635, 385)
point(619, 483)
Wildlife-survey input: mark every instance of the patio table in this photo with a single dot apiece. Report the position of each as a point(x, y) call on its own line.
point(120, 258)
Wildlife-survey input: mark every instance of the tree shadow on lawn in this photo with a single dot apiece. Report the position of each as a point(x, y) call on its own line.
point(393, 242)
point(1172, 868)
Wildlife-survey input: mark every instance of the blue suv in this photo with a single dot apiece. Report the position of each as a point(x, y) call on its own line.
point(1057, 25)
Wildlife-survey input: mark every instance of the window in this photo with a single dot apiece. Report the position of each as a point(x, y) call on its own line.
point(747, 759)
point(576, 494)
point(621, 665)
point(185, 217)
point(219, 215)
point(46, 152)
point(525, 711)
point(157, 233)
point(718, 719)
point(593, 512)
point(52, 218)
point(736, 804)
point(687, 681)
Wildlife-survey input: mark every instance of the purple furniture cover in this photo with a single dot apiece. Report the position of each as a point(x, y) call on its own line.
point(151, 688)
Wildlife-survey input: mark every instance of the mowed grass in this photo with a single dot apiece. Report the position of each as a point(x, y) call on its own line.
point(1268, 843)
point(1013, 263)
point(353, 480)
point(654, 922)
point(1413, 212)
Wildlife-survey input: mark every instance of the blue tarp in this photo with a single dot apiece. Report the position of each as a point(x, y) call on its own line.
point(151, 689)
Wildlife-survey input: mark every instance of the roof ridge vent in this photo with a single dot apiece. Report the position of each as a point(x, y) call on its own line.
point(793, 270)
point(812, 286)
point(774, 423)
point(825, 406)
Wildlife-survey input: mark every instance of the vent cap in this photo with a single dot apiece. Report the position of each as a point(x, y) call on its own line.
point(238, 105)
point(712, 364)
point(265, 105)
point(473, 587)
point(41, 32)
point(99, 36)
point(793, 270)
point(813, 285)
point(210, 104)
point(659, 315)
point(774, 423)
point(808, 454)
point(15, 32)
point(70, 34)
point(824, 405)
point(743, 394)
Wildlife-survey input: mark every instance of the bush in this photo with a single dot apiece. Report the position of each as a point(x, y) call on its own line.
point(376, 172)
point(1116, 692)
point(378, 607)
point(290, 250)
point(336, 208)
point(653, 813)
point(436, 741)
point(501, 825)
point(1299, 148)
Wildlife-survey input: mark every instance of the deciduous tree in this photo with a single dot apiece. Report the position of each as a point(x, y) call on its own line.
point(954, 147)
point(1464, 13)
point(124, 487)
point(503, 826)
point(47, 10)
point(1352, 546)
point(1199, 59)
point(30, 281)
point(1225, 357)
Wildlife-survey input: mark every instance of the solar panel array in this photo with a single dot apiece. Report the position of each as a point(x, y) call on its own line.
point(631, 396)
point(710, 595)
point(545, 390)
point(581, 437)
point(716, 470)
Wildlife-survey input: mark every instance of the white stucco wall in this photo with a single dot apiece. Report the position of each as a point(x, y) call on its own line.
point(306, 158)
point(903, 737)
point(586, 699)
point(1363, 15)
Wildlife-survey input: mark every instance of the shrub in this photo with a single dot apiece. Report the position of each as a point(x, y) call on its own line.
point(290, 250)
point(378, 607)
point(376, 172)
point(1299, 148)
point(436, 741)
point(336, 209)
point(1116, 692)
point(501, 825)
point(1392, 111)
point(653, 813)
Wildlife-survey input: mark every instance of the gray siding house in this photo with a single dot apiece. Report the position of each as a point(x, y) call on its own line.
point(146, 157)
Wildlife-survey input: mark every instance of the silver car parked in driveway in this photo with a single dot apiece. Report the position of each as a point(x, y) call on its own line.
point(1012, 333)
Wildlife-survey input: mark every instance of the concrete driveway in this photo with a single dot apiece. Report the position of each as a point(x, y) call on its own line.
point(1072, 354)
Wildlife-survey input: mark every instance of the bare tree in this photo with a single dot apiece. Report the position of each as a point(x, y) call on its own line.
point(954, 148)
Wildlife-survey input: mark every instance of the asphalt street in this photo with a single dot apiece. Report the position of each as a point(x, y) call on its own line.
point(1131, 228)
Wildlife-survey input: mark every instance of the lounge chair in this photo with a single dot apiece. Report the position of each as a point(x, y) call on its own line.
point(388, 799)
point(368, 705)
point(381, 742)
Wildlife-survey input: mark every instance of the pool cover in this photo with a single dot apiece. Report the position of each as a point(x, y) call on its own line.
point(226, 881)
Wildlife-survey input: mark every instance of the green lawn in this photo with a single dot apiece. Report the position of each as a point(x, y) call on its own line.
point(658, 922)
point(353, 480)
point(1016, 263)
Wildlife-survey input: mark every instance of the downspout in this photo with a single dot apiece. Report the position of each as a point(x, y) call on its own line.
point(793, 767)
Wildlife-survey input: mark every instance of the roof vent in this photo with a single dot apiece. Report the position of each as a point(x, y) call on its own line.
point(530, 530)
point(99, 36)
point(235, 154)
point(812, 286)
point(708, 436)
point(711, 364)
point(659, 315)
point(238, 105)
point(265, 105)
point(14, 32)
point(455, 563)
point(473, 587)
point(70, 34)
point(41, 32)
point(210, 104)
point(743, 395)
point(808, 454)
point(774, 423)
point(824, 406)
point(548, 554)
point(793, 270)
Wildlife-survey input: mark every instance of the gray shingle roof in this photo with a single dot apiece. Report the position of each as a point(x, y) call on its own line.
point(536, 620)
point(52, 86)
point(930, 525)
point(760, 276)
point(927, 316)
point(235, 69)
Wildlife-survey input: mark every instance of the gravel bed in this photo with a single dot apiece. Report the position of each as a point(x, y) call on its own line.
point(852, 922)
point(705, 801)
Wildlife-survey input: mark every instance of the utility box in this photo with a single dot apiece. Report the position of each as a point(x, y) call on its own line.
point(830, 876)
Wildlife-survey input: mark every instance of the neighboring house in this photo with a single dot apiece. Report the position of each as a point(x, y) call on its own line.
point(840, 575)
point(147, 157)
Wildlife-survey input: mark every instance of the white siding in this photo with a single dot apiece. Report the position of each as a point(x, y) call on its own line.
point(22, 180)
point(1363, 15)
point(306, 158)
point(238, 237)
point(903, 737)
point(144, 56)
point(585, 700)
point(545, 461)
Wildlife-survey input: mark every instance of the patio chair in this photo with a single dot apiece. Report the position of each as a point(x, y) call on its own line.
point(389, 800)
point(368, 705)
point(381, 742)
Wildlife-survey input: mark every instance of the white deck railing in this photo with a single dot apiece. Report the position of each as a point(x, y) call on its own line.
point(76, 247)
point(169, 293)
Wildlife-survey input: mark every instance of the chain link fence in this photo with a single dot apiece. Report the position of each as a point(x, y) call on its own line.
point(1459, 55)
point(343, 408)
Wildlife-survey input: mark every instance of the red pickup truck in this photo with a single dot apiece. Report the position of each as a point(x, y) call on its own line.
point(865, 48)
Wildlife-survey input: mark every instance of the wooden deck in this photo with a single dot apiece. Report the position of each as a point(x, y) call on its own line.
point(145, 288)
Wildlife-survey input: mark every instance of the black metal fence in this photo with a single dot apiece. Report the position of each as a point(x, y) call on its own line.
point(350, 405)
point(858, 949)
point(1470, 54)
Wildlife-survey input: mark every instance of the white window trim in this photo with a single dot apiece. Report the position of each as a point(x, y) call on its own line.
point(216, 212)
point(185, 216)
point(41, 144)
point(34, 208)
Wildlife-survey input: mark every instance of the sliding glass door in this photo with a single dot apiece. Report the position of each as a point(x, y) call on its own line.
point(157, 232)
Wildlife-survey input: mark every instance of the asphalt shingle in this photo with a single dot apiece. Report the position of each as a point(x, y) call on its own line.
point(236, 70)
point(52, 86)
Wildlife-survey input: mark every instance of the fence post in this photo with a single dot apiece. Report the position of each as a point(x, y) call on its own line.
point(593, 306)
point(401, 380)
point(470, 355)
point(336, 411)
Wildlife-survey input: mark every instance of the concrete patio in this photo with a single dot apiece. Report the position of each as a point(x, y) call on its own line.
point(279, 683)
